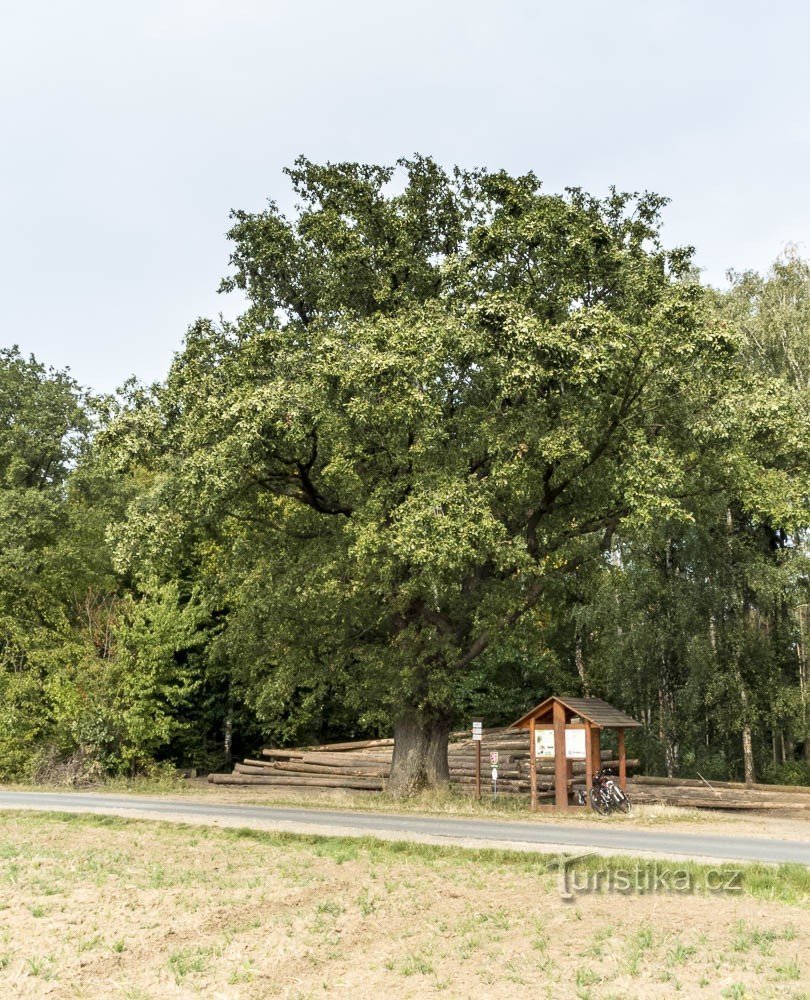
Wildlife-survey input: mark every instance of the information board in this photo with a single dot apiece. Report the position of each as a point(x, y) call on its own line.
point(574, 743)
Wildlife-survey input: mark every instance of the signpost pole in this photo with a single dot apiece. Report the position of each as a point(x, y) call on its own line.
point(477, 735)
point(532, 766)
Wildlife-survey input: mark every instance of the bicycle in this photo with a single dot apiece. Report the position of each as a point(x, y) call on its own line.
point(606, 795)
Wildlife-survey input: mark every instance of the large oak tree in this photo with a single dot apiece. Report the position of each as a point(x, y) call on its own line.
point(447, 392)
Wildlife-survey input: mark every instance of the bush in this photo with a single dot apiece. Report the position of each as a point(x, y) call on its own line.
point(792, 772)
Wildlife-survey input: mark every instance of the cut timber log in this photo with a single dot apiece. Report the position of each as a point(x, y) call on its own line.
point(297, 767)
point(488, 744)
point(724, 796)
point(503, 775)
point(522, 786)
point(361, 770)
point(311, 781)
point(606, 758)
point(668, 797)
point(695, 783)
point(356, 745)
point(336, 760)
point(340, 760)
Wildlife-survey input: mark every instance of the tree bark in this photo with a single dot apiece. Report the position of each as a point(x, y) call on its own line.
point(747, 735)
point(579, 660)
point(667, 727)
point(748, 755)
point(227, 741)
point(420, 753)
point(803, 618)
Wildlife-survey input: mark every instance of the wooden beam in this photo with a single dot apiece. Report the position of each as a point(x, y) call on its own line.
point(588, 766)
point(532, 767)
point(560, 765)
point(569, 725)
point(353, 745)
point(622, 762)
point(313, 780)
point(596, 749)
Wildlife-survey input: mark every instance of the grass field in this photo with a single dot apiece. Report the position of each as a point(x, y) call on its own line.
point(103, 907)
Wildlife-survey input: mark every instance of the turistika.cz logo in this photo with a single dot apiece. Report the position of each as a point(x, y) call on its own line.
point(641, 879)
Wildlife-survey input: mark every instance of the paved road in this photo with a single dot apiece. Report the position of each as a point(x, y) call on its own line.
point(537, 836)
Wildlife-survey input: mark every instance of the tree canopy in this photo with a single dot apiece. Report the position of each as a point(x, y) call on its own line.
point(468, 440)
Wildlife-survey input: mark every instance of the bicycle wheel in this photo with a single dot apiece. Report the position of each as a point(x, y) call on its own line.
point(619, 800)
point(598, 802)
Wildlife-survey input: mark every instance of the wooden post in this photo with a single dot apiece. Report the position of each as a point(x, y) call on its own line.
point(622, 761)
point(478, 769)
point(596, 749)
point(560, 768)
point(588, 765)
point(532, 766)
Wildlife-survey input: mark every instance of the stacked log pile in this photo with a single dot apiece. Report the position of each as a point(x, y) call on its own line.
point(362, 766)
point(366, 764)
point(693, 793)
point(514, 765)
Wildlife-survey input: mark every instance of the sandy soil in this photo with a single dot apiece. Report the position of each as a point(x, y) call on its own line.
point(101, 908)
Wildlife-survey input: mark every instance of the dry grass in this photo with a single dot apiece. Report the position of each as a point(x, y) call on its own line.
point(449, 803)
point(105, 908)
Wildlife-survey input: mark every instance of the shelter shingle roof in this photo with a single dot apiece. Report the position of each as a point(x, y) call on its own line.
point(596, 711)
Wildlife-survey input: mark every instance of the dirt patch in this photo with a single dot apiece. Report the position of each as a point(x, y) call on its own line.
point(103, 908)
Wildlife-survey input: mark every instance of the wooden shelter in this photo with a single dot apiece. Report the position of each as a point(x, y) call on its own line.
point(585, 717)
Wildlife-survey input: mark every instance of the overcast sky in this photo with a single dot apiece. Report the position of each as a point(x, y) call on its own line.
point(129, 130)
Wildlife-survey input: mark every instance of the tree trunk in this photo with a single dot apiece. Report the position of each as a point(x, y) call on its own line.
point(747, 736)
point(667, 726)
point(803, 618)
point(748, 755)
point(579, 660)
point(420, 754)
point(227, 742)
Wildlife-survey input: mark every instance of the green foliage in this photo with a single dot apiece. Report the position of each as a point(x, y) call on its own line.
point(440, 404)
point(43, 426)
point(470, 443)
point(789, 772)
point(121, 702)
point(702, 625)
point(89, 673)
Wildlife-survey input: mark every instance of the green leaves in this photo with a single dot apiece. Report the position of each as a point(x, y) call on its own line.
point(442, 396)
point(42, 421)
point(453, 397)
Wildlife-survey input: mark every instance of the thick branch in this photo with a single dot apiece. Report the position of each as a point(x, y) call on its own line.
point(533, 596)
point(551, 493)
point(315, 499)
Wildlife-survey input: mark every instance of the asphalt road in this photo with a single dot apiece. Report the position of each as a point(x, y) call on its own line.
point(536, 836)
